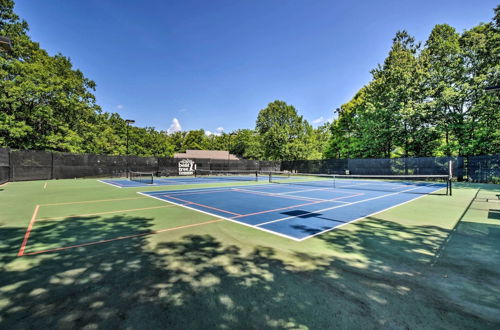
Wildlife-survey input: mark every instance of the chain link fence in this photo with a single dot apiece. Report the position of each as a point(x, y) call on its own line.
point(321, 166)
point(4, 165)
point(378, 166)
point(28, 165)
point(22, 165)
point(68, 165)
point(483, 168)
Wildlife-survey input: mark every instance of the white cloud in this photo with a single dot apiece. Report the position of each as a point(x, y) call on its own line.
point(119, 106)
point(218, 132)
point(183, 110)
point(318, 120)
point(175, 126)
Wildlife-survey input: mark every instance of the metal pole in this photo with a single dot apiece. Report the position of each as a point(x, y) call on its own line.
point(229, 151)
point(127, 122)
point(127, 141)
point(450, 175)
point(126, 156)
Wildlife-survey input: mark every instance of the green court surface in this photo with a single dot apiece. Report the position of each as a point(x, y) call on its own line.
point(83, 254)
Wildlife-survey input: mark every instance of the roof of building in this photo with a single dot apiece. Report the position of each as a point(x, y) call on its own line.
point(209, 154)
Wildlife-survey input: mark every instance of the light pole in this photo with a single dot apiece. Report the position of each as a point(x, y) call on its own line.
point(229, 149)
point(128, 122)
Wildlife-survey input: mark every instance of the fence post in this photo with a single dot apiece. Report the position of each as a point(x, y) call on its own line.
point(52, 165)
point(11, 166)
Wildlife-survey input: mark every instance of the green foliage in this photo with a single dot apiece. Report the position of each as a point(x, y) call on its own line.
point(284, 134)
point(426, 100)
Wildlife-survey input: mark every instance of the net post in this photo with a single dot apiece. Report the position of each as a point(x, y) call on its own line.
point(450, 176)
point(270, 177)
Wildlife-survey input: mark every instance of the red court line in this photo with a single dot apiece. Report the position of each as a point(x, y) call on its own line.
point(298, 205)
point(103, 213)
point(28, 231)
point(207, 191)
point(277, 195)
point(196, 191)
point(93, 201)
point(122, 237)
point(202, 205)
point(246, 191)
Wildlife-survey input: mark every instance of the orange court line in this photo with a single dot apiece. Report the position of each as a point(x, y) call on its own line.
point(298, 205)
point(195, 191)
point(107, 212)
point(124, 237)
point(279, 195)
point(94, 201)
point(28, 231)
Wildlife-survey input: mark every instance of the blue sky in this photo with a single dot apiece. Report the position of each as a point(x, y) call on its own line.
point(215, 64)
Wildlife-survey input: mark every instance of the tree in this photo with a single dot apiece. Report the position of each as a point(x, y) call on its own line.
point(284, 134)
point(49, 102)
point(426, 101)
point(321, 138)
point(195, 140)
point(246, 143)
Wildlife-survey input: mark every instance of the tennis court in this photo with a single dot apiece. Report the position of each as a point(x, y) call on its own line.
point(302, 206)
point(241, 245)
point(140, 179)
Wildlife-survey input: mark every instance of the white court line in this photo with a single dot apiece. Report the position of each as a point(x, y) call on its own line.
point(111, 184)
point(338, 206)
point(280, 195)
point(145, 185)
point(278, 233)
point(297, 191)
point(213, 189)
point(191, 189)
point(364, 216)
point(195, 191)
point(388, 185)
point(221, 217)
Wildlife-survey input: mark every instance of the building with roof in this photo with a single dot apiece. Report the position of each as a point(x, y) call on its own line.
point(207, 154)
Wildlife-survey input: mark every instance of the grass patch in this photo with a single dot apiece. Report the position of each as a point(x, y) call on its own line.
point(431, 263)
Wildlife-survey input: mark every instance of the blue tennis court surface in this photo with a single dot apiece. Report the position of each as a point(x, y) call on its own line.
point(294, 211)
point(175, 181)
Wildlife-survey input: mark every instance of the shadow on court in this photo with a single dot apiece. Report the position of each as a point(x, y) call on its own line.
point(376, 276)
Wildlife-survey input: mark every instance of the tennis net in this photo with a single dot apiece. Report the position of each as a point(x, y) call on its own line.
point(416, 184)
point(142, 177)
point(241, 175)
